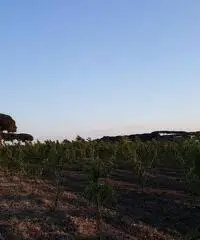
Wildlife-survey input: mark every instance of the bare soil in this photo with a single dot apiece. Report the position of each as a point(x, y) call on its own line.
point(163, 209)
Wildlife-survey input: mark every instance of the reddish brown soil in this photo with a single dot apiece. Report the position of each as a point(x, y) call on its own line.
point(165, 209)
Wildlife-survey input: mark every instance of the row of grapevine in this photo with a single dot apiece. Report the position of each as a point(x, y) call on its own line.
point(98, 160)
point(139, 156)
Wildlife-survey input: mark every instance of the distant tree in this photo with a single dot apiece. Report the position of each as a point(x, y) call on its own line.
point(8, 136)
point(19, 137)
point(24, 137)
point(7, 123)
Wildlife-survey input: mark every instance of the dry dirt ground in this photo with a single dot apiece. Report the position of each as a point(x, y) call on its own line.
point(163, 210)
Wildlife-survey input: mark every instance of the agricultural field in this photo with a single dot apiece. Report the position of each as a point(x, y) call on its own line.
point(88, 189)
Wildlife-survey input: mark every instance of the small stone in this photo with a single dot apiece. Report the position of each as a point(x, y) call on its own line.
point(127, 220)
point(16, 179)
point(1, 237)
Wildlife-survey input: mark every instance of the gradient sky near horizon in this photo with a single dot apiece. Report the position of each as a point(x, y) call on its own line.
point(100, 67)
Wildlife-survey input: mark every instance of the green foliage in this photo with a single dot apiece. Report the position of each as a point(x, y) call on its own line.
point(99, 160)
point(99, 193)
point(137, 155)
point(98, 190)
point(197, 162)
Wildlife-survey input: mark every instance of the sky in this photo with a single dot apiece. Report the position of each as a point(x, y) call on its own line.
point(100, 67)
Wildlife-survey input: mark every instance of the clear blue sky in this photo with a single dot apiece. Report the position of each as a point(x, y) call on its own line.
point(94, 67)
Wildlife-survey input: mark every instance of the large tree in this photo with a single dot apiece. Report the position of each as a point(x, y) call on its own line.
point(7, 123)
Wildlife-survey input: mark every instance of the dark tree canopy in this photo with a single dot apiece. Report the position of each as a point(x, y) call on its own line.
point(156, 135)
point(8, 130)
point(19, 137)
point(24, 137)
point(7, 123)
point(8, 136)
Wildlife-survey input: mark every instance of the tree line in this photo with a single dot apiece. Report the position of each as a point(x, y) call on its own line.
point(8, 129)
